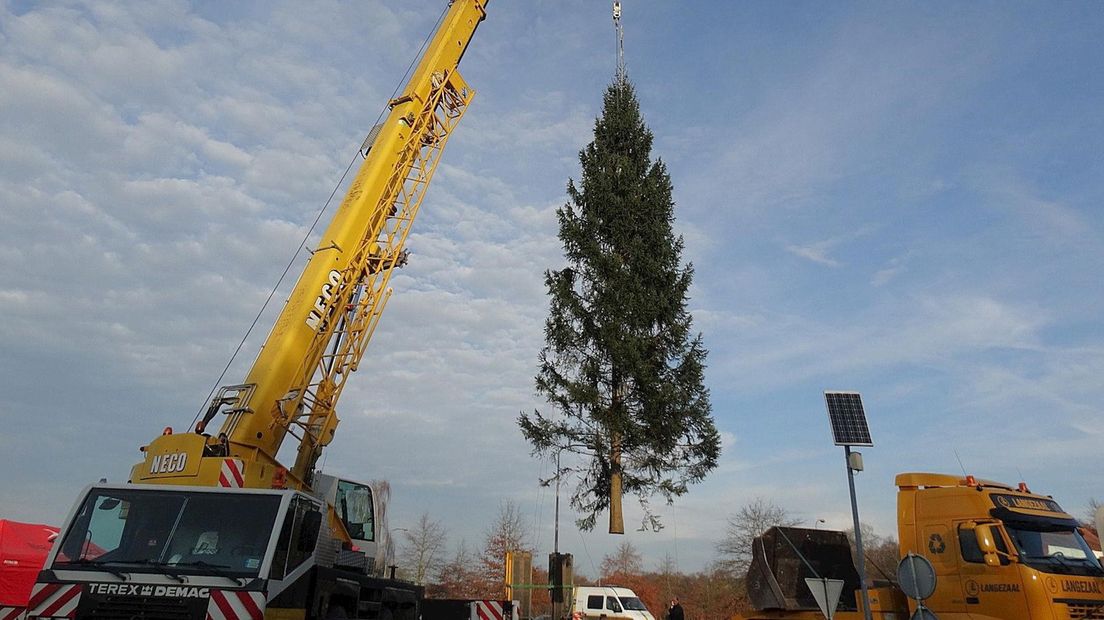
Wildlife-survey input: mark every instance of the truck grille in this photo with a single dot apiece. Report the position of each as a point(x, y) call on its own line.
point(138, 608)
point(1086, 611)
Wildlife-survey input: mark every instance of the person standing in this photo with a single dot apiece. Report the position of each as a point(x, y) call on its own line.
point(675, 612)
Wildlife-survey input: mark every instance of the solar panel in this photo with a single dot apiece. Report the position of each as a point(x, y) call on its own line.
point(845, 412)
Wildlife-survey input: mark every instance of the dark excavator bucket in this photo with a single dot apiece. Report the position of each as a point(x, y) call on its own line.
point(776, 577)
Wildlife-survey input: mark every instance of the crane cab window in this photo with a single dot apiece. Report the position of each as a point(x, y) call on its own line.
point(595, 601)
point(354, 506)
point(613, 604)
point(298, 537)
point(98, 532)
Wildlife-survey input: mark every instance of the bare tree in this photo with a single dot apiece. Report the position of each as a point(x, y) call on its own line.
point(385, 546)
point(750, 521)
point(667, 566)
point(423, 548)
point(508, 533)
point(881, 552)
point(458, 578)
point(1090, 512)
point(625, 560)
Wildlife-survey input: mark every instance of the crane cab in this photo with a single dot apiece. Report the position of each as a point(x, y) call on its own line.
point(361, 509)
point(180, 552)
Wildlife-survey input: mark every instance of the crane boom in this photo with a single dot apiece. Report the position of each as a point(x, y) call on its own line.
point(281, 543)
point(328, 319)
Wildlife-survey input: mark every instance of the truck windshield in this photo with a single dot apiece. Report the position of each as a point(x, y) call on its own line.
point(633, 603)
point(1054, 550)
point(169, 532)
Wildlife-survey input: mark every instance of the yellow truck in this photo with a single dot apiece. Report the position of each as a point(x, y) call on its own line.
point(998, 552)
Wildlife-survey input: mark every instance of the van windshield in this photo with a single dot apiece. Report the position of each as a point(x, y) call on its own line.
point(633, 603)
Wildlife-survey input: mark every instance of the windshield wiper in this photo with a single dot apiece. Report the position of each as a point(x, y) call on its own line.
point(1057, 560)
point(100, 564)
point(214, 568)
point(161, 567)
point(1085, 563)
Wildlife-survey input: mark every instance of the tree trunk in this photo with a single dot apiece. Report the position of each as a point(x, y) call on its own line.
point(617, 519)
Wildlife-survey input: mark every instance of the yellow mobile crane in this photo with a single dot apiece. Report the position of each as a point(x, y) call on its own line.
point(211, 525)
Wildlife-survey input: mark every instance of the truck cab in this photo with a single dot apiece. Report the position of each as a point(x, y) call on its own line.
point(172, 552)
point(167, 552)
point(609, 602)
point(998, 551)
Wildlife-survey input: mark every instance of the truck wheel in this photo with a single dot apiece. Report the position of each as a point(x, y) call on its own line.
point(336, 613)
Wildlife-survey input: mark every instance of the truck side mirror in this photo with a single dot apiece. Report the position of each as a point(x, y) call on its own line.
point(986, 543)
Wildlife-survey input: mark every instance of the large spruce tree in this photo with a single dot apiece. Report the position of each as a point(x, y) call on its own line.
point(620, 365)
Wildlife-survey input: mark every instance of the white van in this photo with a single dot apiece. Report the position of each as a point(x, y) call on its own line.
point(610, 602)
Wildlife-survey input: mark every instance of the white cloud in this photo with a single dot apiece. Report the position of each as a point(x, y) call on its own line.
point(884, 275)
point(817, 252)
point(159, 163)
point(1055, 221)
point(928, 329)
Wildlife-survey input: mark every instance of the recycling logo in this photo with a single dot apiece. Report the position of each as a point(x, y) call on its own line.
point(936, 544)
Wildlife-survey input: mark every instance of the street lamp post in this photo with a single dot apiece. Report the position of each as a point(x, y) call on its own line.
point(557, 601)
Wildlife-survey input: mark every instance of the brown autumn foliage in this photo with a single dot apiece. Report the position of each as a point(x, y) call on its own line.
point(459, 577)
point(711, 594)
point(481, 574)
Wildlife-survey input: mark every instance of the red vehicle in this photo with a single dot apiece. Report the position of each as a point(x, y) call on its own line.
point(23, 550)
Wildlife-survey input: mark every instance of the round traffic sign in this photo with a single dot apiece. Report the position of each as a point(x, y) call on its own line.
point(916, 577)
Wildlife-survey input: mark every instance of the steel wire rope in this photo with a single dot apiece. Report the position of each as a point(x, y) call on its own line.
point(590, 560)
point(317, 218)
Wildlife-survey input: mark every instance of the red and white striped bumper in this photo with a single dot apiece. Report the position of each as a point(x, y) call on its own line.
point(13, 613)
point(236, 605)
point(488, 610)
point(53, 600)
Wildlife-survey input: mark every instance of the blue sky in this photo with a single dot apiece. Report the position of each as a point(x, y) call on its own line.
point(900, 198)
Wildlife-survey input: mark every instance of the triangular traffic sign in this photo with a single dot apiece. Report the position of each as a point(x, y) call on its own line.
point(826, 592)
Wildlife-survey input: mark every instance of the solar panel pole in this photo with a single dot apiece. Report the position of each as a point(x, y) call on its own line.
point(849, 428)
point(858, 533)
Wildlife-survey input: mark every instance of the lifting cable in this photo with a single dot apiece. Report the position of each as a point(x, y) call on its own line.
point(314, 224)
point(621, 75)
